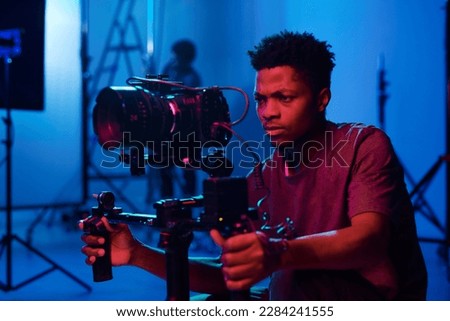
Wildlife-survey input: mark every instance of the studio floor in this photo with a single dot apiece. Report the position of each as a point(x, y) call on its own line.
point(67, 278)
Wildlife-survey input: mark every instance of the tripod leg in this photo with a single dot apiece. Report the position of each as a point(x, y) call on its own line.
point(5, 244)
point(48, 260)
point(56, 266)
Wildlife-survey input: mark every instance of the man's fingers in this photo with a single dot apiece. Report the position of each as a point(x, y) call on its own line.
point(238, 258)
point(240, 277)
point(217, 237)
point(105, 223)
point(92, 239)
point(108, 226)
point(243, 284)
point(92, 252)
point(90, 260)
point(238, 272)
point(240, 242)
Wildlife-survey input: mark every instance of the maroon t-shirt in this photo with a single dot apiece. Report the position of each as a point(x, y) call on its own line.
point(344, 170)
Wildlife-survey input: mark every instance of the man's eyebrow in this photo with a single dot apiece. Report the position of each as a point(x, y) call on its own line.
point(281, 92)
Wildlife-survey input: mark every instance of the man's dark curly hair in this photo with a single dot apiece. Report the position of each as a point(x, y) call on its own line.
point(302, 51)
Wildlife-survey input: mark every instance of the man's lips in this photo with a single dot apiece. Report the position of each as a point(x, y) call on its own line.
point(273, 129)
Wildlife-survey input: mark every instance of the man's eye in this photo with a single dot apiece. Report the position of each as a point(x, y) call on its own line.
point(285, 99)
point(259, 100)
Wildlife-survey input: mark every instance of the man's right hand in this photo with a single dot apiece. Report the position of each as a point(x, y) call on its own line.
point(122, 244)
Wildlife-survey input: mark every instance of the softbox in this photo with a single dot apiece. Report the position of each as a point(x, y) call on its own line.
point(26, 69)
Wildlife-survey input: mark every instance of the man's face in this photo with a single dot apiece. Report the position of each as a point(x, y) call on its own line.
point(286, 105)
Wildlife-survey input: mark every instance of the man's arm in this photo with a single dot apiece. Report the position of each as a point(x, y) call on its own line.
point(205, 274)
point(360, 246)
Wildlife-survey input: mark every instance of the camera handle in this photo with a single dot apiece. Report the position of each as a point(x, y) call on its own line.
point(93, 225)
point(102, 267)
point(176, 242)
point(240, 227)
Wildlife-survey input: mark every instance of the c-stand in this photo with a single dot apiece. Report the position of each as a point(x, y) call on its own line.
point(417, 193)
point(7, 52)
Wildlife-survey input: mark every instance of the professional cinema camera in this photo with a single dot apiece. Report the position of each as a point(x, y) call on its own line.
point(174, 124)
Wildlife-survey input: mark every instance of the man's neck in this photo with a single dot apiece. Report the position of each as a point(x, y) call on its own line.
point(292, 153)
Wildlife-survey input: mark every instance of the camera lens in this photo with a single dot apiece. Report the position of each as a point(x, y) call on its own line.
point(124, 116)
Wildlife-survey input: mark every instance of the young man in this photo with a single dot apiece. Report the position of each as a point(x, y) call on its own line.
point(353, 234)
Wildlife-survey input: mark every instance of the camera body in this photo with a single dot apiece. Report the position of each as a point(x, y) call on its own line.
point(226, 206)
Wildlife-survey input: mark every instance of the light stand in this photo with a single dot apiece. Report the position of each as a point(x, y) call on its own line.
point(417, 193)
point(420, 188)
point(12, 48)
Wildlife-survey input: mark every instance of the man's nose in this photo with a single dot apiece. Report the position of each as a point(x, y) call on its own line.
point(270, 110)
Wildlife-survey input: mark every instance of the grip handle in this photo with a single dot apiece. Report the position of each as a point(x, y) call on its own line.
point(102, 267)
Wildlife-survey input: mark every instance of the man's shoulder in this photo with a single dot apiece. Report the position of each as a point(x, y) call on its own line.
point(353, 128)
point(358, 132)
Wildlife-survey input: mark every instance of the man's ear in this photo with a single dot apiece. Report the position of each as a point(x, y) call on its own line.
point(323, 99)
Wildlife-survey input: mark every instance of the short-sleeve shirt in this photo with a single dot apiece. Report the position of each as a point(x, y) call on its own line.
point(343, 171)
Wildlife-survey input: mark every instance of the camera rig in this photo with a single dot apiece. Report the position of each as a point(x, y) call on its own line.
point(225, 208)
point(173, 123)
